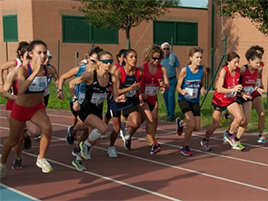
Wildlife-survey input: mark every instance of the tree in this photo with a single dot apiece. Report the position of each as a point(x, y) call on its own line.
point(123, 14)
point(255, 10)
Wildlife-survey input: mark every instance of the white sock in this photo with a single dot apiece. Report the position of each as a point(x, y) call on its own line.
point(94, 135)
point(78, 158)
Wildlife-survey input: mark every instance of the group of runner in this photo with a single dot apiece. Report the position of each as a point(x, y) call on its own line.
point(131, 93)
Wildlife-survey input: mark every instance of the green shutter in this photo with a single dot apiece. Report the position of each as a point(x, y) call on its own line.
point(75, 30)
point(109, 36)
point(10, 28)
point(187, 33)
point(163, 32)
point(176, 33)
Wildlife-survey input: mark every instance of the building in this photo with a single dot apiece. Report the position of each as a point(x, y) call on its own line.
point(61, 26)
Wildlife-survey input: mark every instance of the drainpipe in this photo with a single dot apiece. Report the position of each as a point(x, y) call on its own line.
point(212, 41)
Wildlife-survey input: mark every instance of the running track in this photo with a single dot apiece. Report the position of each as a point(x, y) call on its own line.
point(222, 174)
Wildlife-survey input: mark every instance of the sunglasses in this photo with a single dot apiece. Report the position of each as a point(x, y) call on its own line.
point(156, 58)
point(106, 61)
point(166, 48)
point(93, 60)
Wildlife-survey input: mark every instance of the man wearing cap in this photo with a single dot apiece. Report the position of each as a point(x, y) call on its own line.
point(172, 64)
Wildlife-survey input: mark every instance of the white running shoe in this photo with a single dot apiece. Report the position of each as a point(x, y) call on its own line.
point(44, 164)
point(112, 152)
point(2, 169)
point(85, 150)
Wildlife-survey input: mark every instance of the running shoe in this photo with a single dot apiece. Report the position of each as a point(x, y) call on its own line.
point(127, 144)
point(78, 165)
point(71, 135)
point(179, 127)
point(225, 133)
point(17, 164)
point(262, 139)
point(76, 151)
point(239, 146)
point(230, 139)
point(2, 170)
point(27, 140)
point(112, 152)
point(205, 145)
point(186, 151)
point(155, 148)
point(44, 164)
point(122, 132)
point(85, 150)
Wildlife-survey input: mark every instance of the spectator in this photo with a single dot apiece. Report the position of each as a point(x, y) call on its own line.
point(172, 64)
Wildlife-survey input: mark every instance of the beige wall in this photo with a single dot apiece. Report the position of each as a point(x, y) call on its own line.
point(41, 19)
point(241, 35)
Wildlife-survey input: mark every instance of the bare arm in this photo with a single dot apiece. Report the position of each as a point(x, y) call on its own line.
point(180, 79)
point(86, 77)
point(11, 77)
point(5, 66)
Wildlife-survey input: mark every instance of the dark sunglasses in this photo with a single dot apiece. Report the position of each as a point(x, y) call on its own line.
point(166, 48)
point(106, 61)
point(156, 58)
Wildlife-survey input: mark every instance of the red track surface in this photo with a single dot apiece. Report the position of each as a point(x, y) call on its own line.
point(222, 174)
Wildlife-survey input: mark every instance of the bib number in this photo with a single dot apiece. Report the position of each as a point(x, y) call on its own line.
point(151, 91)
point(38, 84)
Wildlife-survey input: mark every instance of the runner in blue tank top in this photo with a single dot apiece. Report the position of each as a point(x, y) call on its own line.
point(190, 83)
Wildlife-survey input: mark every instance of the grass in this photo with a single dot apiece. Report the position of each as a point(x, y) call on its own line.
point(206, 110)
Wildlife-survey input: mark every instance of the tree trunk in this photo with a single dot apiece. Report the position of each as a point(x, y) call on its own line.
point(128, 37)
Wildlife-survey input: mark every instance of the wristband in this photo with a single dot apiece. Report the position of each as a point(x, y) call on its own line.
point(59, 90)
point(74, 99)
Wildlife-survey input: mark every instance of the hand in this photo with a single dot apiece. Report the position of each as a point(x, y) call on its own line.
point(203, 91)
point(57, 83)
point(237, 88)
point(135, 86)
point(184, 92)
point(161, 83)
point(141, 103)
point(60, 95)
point(120, 99)
point(246, 96)
point(76, 106)
point(162, 90)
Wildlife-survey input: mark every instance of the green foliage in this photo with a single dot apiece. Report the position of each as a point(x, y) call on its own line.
point(123, 14)
point(255, 10)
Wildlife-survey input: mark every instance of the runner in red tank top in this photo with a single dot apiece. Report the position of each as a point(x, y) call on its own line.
point(248, 77)
point(257, 101)
point(225, 97)
point(154, 78)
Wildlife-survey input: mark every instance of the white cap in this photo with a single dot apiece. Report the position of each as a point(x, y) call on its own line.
point(48, 53)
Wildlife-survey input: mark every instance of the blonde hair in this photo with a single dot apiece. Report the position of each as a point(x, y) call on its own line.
point(149, 51)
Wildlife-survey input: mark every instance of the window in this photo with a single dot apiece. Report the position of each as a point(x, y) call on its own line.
point(75, 29)
point(10, 28)
point(176, 33)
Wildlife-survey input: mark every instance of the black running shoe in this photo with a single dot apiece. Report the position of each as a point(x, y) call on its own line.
point(76, 151)
point(155, 148)
point(127, 144)
point(27, 140)
point(17, 164)
point(70, 135)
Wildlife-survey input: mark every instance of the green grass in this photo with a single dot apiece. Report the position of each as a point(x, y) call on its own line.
point(206, 110)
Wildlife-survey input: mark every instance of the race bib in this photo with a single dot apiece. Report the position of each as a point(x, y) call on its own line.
point(81, 97)
point(191, 93)
point(38, 84)
point(231, 95)
point(151, 91)
point(98, 98)
point(249, 90)
point(130, 93)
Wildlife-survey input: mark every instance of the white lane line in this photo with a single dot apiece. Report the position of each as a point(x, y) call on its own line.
point(19, 192)
point(109, 179)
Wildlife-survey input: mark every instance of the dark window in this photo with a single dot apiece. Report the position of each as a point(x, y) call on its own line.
point(176, 33)
point(10, 28)
point(75, 29)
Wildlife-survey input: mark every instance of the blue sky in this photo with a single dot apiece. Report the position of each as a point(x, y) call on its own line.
point(194, 3)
